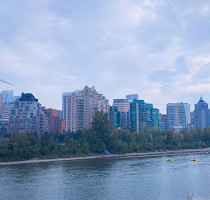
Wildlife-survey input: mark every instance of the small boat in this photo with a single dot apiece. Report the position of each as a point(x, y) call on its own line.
point(193, 159)
point(170, 160)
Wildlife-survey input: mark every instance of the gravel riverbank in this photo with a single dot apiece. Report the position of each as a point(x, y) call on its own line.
point(127, 155)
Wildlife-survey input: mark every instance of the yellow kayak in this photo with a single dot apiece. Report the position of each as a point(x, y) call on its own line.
point(170, 160)
point(193, 159)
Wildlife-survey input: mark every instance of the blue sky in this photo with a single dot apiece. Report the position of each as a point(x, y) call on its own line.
point(159, 49)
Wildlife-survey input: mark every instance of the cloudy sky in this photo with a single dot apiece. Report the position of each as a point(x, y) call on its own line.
point(159, 49)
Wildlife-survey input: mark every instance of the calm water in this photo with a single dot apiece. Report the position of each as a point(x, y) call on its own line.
point(136, 178)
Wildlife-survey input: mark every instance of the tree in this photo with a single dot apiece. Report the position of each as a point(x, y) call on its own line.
point(99, 135)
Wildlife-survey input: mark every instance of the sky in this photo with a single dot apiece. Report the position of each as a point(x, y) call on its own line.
point(159, 49)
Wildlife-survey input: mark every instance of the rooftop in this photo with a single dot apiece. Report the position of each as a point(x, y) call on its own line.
point(201, 100)
point(28, 97)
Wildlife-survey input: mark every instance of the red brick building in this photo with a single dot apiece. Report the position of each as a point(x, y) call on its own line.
point(55, 122)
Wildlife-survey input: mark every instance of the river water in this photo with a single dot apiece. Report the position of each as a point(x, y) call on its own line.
point(114, 179)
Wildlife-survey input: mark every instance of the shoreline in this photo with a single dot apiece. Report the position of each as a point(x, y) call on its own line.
point(126, 155)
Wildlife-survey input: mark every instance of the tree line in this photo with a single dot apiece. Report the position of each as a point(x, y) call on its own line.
point(95, 140)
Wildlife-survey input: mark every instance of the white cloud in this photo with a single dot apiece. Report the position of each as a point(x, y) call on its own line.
point(159, 49)
point(133, 13)
point(62, 76)
point(44, 51)
point(15, 65)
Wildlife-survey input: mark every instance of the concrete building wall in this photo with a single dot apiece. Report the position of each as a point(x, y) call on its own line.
point(187, 113)
point(81, 106)
point(26, 115)
point(123, 105)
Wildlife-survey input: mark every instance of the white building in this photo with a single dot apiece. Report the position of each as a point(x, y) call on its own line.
point(79, 108)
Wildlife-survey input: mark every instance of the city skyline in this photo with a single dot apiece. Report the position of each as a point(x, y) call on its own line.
point(79, 108)
point(111, 102)
point(121, 47)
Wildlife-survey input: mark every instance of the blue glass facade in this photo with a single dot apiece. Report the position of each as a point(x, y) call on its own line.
point(142, 114)
point(176, 116)
point(114, 116)
point(201, 114)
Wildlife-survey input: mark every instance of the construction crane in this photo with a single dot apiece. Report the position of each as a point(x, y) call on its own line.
point(6, 82)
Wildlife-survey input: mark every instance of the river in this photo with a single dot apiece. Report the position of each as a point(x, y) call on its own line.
point(111, 179)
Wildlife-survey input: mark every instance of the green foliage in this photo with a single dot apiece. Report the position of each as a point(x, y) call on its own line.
point(95, 140)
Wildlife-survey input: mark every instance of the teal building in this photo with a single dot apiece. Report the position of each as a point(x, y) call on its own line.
point(114, 116)
point(162, 125)
point(141, 114)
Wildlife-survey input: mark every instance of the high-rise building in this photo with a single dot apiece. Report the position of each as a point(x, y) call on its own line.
point(132, 97)
point(187, 113)
point(64, 106)
point(6, 102)
point(125, 120)
point(123, 106)
point(142, 114)
point(164, 120)
point(114, 116)
point(201, 114)
point(7, 97)
point(7, 112)
point(80, 107)
point(60, 113)
point(192, 118)
point(55, 122)
point(178, 116)
point(26, 115)
point(161, 125)
point(155, 117)
point(191, 126)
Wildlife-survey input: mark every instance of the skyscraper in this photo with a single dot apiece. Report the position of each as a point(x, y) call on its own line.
point(187, 113)
point(201, 114)
point(123, 106)
point(163, 122)
point(192, 121)
point(114, 116)
point(64, 104)
point(177, 114)
point(141, 114)
point(81, 106)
